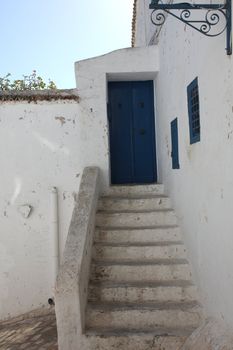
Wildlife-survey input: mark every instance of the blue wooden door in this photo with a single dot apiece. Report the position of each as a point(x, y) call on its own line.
point(132, 132)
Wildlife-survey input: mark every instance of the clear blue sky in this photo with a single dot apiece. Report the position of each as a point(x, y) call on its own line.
point(50, 35)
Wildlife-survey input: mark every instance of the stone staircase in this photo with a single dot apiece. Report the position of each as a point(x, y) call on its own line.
point(141, 294)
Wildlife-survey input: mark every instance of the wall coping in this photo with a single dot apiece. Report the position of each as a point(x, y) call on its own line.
point(133, 28)
point(71, 289)
point(39, 95)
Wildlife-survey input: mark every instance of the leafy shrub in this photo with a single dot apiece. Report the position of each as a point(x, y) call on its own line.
point(29, 82)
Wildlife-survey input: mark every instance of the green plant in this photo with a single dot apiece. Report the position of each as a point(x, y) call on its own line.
point(29, 82)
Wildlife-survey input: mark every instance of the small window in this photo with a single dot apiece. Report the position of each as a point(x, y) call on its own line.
point(193, 111)
point(174, 142)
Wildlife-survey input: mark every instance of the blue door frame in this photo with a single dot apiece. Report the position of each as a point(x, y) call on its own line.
point(132, 132)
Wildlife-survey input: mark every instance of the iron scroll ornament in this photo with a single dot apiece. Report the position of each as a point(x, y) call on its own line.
point(204, 26)
point(216, 20)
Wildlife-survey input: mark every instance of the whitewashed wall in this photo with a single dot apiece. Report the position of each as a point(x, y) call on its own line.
point(39, 146)
point(47, 145)
point(202, 189)
point(144, 29)
point(92, 76)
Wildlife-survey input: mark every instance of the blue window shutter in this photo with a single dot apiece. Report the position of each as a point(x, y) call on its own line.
point(174, 143)
point(193, 111)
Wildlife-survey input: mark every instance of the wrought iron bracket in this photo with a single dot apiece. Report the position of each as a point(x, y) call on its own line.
point(216, 17)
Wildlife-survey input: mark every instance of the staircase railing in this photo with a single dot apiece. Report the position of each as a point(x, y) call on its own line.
point(72, 282)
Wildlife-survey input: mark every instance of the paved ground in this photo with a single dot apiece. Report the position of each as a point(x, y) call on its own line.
point(35, 331)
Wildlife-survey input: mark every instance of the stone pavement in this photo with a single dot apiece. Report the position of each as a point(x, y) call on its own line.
point(33, 331)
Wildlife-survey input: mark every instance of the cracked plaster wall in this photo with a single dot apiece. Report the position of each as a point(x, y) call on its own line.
point(39, 149)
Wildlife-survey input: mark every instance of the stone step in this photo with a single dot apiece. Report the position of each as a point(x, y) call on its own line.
point(132, 271)
point(134, 190)
point(145, 203)
point(136, 219)
point(164, 250)
point(130, 332)
point(153, 234)
point(124, 316)
point(140, 292)
point(156, 339)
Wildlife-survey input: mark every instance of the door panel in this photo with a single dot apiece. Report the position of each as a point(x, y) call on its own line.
point(120, 120)
point(143, 133)
point(132, 137)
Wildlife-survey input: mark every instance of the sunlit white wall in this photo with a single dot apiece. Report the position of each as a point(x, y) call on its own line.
point(202, 189)
point(39, 150)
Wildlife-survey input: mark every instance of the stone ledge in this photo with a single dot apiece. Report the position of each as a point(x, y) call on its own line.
point(39, 95)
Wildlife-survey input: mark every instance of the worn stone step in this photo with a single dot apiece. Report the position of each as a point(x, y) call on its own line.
point(130, 332)
point(122, 235)
point(138, 244)
point(185, 314)
point(141, 292)
point(136, 219)
point(132, 190)
point(139, 251)
point(145, 203)
point(161, 339)
point(131, 271)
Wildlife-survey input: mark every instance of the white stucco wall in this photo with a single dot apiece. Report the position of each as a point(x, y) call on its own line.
point(202, 189)
point(92, 76)
point(144, 28)
point(48, 144)
point(39, 149)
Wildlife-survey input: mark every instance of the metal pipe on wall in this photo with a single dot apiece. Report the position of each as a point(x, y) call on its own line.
point(54, 231)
